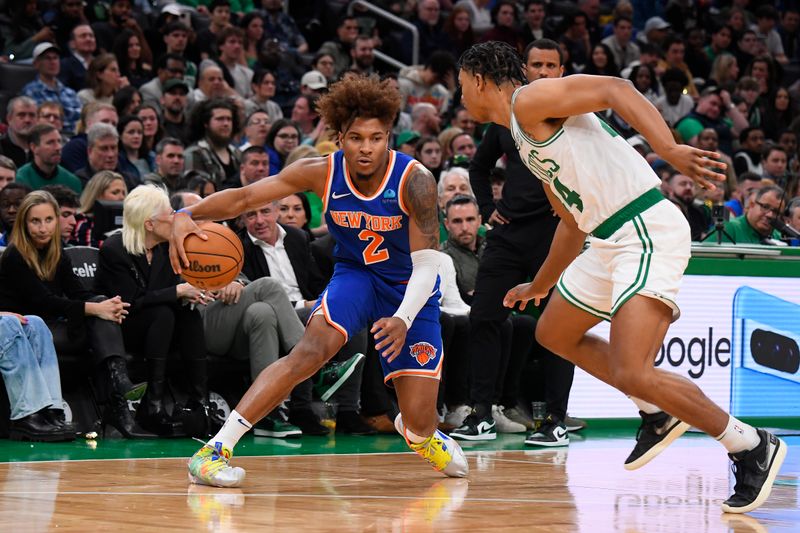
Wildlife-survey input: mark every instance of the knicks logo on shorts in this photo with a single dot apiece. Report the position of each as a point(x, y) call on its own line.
point(423, 352)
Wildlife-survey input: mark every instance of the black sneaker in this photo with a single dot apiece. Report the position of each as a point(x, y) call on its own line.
point(656, 432)
point(350, 423)
point(475, 428)
point(552, 432)
point(308, 422)
point(755, 471)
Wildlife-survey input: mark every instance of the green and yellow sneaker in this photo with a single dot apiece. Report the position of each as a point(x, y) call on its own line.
point(443, 454)
point(209, 466)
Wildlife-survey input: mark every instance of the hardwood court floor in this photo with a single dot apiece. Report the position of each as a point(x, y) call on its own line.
point(370, 484)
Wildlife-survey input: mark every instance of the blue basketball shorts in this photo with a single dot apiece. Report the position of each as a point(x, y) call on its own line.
point(355, 298)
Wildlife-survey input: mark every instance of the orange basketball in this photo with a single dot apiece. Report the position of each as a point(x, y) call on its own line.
point(213, 263)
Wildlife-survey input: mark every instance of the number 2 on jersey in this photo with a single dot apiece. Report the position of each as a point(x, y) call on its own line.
point(373, 253)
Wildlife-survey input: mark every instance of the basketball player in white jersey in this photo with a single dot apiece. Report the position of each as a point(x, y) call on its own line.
point(639, 247)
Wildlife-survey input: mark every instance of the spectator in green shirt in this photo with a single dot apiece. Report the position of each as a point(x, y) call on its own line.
point(44, 168)
point(755, 225)
point(714, 110)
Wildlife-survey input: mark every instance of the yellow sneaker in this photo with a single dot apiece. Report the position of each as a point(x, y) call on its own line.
point(442, 453)
point(209, 466)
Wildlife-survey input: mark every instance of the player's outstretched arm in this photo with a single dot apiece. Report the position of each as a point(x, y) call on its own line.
point(419, 197)
point(545, 99)
point(567, 244)
point(304, 174)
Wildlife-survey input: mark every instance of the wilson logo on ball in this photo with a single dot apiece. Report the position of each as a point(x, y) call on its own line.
point(213, 262)
point(196, 266)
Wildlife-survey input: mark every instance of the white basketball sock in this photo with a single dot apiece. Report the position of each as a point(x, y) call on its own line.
point(647, 408)
point(738, 436)
point(407, 433)
point(234, 429)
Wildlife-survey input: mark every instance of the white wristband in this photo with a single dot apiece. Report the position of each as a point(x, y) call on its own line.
point(420, 286)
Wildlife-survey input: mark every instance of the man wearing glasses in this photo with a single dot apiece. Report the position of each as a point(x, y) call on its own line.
point(755, 225)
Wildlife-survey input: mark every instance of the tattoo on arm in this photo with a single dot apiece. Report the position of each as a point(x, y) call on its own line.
point(420, 195)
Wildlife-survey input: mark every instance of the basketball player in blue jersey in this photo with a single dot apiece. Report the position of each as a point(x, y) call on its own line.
point(639, 248)
point(380, 206)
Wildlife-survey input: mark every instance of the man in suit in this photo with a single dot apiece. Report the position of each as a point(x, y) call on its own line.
point(284, 253)
point(82, 46)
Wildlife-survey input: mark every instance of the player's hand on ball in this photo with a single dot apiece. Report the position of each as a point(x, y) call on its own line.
point(182, 227)
point(390, 336)
point(523, 293)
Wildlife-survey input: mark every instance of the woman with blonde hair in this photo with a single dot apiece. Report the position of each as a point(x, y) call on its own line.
point(103, 80)
point(724, 72)
point(105, 185)
point(445, 138)
point(36, 278)
point(135, 263)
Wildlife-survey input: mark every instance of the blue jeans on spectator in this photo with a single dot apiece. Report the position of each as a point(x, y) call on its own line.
point(29, 366)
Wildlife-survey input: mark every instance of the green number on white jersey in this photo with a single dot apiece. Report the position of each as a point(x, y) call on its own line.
point(568, 196)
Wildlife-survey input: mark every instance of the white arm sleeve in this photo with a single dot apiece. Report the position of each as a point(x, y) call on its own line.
point(450, 301)
point(420, 286)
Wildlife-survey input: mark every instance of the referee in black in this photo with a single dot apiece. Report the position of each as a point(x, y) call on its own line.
point(523, 228)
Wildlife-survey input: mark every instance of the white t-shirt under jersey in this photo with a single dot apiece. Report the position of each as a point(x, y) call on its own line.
point(589, 166)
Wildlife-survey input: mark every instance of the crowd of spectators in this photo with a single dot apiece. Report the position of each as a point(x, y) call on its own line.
point(152, 105)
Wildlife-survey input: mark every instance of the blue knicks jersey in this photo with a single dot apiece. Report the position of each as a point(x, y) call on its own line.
point(371, 231)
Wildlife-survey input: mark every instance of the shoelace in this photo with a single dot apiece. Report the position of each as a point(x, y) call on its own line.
point(738, 475)
point(426, 453)
point(644, 424)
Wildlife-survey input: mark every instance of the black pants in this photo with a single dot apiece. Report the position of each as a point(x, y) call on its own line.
point(454, 388)
point(514, 252)
point(158, 330)
point(376, 397)
point(102, 337)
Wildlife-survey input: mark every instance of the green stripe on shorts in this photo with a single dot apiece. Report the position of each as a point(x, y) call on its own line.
point(570, 298)
point(644, 265)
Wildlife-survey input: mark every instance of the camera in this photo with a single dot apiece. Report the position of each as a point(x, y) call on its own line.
point(718, 214)
point(775, 351)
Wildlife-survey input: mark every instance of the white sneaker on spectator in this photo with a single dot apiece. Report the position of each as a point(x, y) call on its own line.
point(456, 417)
point(504, 424)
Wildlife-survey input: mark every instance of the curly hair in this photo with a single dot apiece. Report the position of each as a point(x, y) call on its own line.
point(495, 60)
point(201, 116)
point(359, 97)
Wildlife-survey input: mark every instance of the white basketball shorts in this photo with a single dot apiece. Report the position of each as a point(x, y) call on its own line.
point(646, 256)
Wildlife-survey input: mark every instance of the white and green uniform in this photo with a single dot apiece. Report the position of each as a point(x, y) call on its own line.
point(639, 244)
